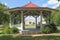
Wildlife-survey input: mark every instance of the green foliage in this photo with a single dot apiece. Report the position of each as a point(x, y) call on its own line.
point(15, 30)
point(50, 28)
point(6, 29)
point(53, 27)
point(56, 18)
point(4, 17)
point(46, 30)
point(10, 37)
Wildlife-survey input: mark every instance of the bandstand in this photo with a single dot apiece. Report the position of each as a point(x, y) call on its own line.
point(30, 9)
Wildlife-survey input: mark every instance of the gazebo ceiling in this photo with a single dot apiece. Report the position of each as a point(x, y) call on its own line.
point(30, 5)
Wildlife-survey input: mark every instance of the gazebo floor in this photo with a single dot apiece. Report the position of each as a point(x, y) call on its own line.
point(30, 32)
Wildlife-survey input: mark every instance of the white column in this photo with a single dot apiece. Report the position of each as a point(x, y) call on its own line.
point(22, 26)
point(10, 21)
point(41, 22)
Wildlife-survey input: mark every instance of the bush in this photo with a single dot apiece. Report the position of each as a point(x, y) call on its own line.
point(54, 28)
point(15, 30)
point(46, 29)
point(6, 29)
point(50, 28)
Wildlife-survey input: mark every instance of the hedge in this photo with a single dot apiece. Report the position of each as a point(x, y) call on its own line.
point(49, 28)
point(10, 37)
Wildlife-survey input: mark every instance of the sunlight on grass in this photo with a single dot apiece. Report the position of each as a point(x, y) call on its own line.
point(30, 26)
point(58, 27)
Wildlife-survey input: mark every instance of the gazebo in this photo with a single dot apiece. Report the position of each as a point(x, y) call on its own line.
point(30, 9)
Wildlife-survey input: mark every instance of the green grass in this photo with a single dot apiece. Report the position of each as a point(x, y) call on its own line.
point(58, 27)
point(30, 26)
point(54, 36)
point(10, 37)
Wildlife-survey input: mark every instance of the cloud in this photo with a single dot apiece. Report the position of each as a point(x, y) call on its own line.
point(4, 3)
point(52, 2)
point(44, 5)
point(59, 2)
point(55, 6)
point(49, 3)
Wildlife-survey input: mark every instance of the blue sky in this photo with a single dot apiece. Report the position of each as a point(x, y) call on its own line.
point(41, 3)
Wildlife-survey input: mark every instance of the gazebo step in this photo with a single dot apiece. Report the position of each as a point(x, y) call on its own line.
point(30, 32)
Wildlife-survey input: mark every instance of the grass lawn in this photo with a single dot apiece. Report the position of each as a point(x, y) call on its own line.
point(10, 37)
point(30, 26)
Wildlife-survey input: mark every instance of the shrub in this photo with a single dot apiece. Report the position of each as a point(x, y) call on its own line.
point(15, 30)
point(54, 28)
point(46, 29)
point(50, 28)
point(6, 29)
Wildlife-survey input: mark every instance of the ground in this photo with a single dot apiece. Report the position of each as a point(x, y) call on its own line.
point(52, 34)
point(30, 26)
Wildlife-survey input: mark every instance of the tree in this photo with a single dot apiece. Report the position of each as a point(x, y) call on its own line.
point(56, 16)
point(4, 17)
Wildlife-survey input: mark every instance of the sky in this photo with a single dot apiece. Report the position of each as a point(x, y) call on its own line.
point(40, 3)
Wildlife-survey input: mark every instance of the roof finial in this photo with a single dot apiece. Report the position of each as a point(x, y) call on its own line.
point(30, 2)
